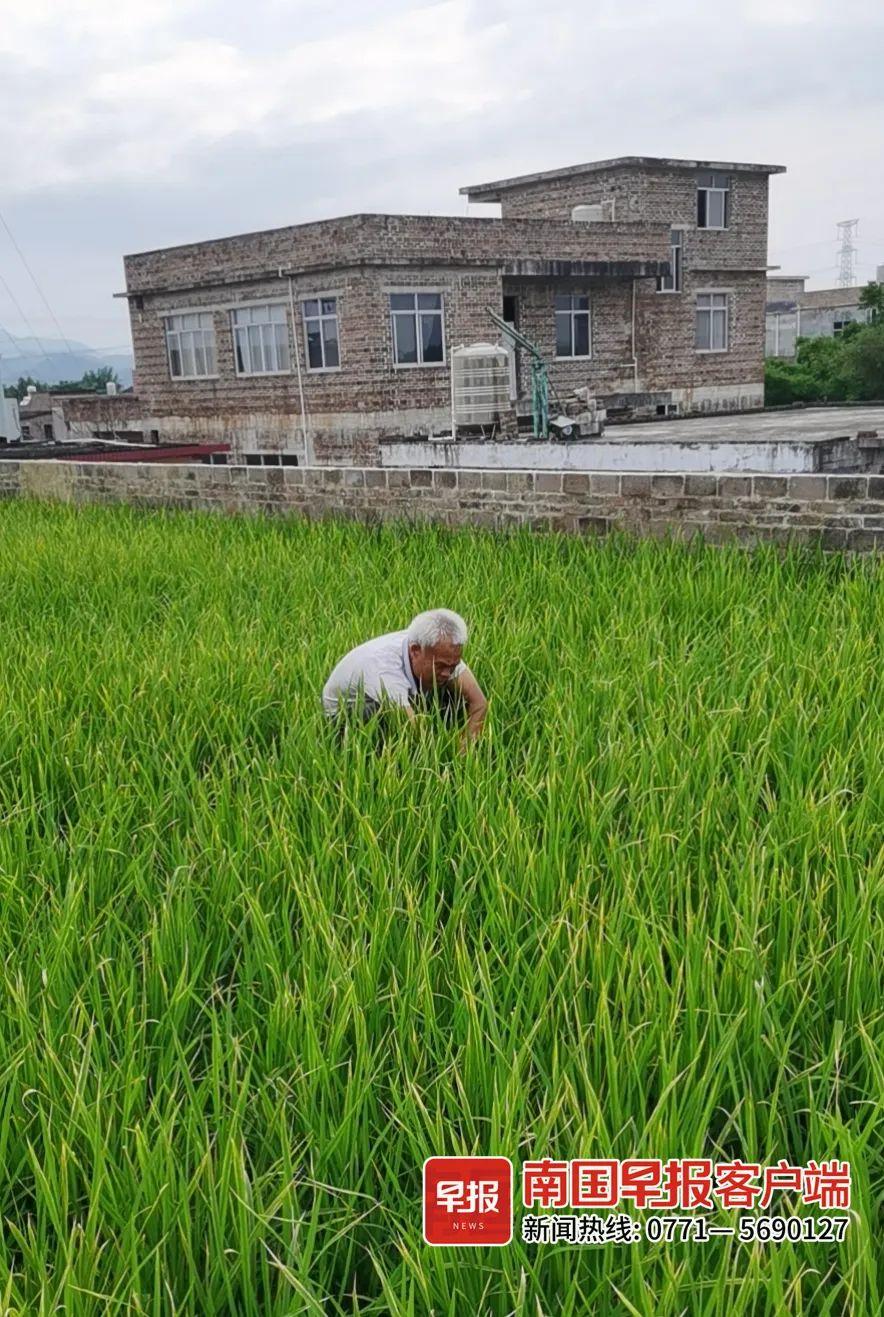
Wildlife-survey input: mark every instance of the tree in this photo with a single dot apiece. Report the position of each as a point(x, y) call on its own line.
point(872, 298)
point(93, 381)
point(19, 389)
point(843, 369)
point(823, 360)
point(98, 380)
point(864, 361)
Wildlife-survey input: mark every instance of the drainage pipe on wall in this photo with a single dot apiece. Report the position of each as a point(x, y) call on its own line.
point(631, 365)
point(296, 341)
point(634, 353)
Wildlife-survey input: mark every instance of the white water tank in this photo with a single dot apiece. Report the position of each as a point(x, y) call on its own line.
point(480, 384)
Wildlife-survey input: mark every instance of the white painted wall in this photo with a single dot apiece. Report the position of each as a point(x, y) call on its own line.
point(10, 425)
point(603, 455)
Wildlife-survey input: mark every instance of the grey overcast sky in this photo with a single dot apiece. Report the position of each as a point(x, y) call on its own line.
point(133, 124)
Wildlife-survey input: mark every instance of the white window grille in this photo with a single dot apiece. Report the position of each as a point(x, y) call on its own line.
point(713, 201)
point(190, 344)
point(321, 330)
point(671, 283)
point(261, 340)
point(573, 330)
point(418, 329)
point(712, 322)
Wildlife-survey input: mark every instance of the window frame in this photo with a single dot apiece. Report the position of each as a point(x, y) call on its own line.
point(168, 333)
point(284, 323)
point(676, 253)
point(420, 364)
point(572, 313)
point(720, 189)
point(711, 310)
point(319, 298)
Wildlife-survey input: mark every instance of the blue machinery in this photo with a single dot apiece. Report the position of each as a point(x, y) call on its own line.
point(539, 375)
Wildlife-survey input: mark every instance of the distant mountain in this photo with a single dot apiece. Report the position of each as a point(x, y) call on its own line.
point(50, 362)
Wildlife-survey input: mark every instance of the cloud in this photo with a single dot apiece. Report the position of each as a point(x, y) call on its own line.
point(131, 124)
point(147, 112)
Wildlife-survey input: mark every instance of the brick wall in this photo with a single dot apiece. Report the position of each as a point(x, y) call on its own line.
point(838, 511)
point(358, 258)
point(732, 260)
point(661, 196)
point(347, 409)
point(785, 291)
point(360, 240)
point(610, 319)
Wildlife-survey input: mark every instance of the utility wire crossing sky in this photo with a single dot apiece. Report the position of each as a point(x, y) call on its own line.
point(140, 125)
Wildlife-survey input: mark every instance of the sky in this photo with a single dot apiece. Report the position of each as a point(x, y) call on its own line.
point(129, 125)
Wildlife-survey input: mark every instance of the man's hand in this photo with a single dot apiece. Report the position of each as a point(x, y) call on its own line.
point(477, 706)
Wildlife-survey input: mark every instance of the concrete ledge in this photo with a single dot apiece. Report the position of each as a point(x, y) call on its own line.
point(836, 511)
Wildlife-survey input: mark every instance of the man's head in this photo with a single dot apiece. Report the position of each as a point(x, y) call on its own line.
point(435, 644)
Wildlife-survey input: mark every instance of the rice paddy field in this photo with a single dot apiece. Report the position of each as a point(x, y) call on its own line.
point(250, 981)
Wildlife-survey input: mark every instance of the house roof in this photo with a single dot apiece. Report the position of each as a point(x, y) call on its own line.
point(97, 451)
point(520, 247)
point(34, 404)
point(490, 191)
point(823, 298)
point(817, 299)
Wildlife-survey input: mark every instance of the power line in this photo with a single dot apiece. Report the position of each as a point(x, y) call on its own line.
point(33, 278)
point(16, 342)
point(12, 297)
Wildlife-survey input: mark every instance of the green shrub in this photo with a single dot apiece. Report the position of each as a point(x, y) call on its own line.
point(849, 368)
point(864, 361)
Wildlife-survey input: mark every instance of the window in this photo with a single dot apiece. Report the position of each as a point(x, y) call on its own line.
point(190, 341)
point(261, 340)
point(671, 283)
point(841, 321)
point(418, 334)
point(573, 337)
point(259, 459)
point(712, 322)
point(321, 329)
point(713, 192)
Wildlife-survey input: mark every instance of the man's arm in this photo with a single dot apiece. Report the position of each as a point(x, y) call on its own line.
point(477, 705)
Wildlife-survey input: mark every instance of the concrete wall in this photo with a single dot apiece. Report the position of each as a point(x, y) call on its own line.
point(819, 322)
point(840, 512)
point(856, 454)
point(604, 455)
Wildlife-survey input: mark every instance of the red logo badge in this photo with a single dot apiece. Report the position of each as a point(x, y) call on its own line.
point(468, 1200)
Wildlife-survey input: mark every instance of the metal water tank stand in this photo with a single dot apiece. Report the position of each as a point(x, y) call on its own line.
point(539, 375)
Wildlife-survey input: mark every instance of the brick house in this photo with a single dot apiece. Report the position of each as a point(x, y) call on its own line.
point(641, 279)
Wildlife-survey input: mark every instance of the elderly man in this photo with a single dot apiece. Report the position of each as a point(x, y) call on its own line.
point(407, 668)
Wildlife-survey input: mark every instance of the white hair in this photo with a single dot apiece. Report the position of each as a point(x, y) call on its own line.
point(435, 627)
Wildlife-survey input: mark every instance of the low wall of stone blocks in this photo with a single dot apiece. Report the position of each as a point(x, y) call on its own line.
point(837, 511)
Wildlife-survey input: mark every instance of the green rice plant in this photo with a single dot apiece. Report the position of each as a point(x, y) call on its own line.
point(250, 982)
